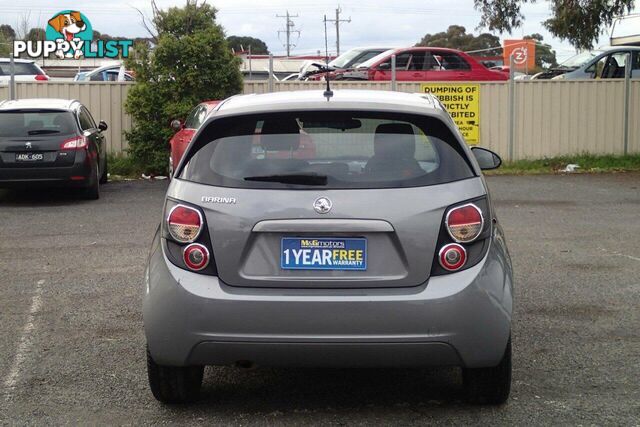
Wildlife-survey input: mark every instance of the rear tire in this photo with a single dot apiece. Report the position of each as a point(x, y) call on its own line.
point(93, 191)
point(105, 173)
point(489, 385)
point(174, 384)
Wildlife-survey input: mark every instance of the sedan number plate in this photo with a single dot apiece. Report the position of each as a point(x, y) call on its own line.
point(29, 157)
point(323, 254)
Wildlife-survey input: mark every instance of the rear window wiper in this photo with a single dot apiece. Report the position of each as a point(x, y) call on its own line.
point(294, 178)
point(42, 131)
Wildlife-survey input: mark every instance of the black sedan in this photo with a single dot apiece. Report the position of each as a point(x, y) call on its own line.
point(46, 142)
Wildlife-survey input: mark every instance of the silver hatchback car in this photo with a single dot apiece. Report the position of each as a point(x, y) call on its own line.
point(352, 230)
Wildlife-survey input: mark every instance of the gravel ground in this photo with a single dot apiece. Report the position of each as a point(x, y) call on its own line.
point(71, 339)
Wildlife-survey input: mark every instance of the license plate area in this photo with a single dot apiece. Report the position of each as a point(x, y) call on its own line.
point(29, 157)
point(325, 253)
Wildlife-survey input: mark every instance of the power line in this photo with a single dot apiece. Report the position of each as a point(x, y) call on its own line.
point(337, 22)
point(289, 28)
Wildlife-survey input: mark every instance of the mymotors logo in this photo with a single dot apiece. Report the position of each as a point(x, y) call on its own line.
point(69, 34)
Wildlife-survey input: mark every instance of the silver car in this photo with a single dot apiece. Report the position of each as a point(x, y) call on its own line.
point(611, 63)
point(353, 230)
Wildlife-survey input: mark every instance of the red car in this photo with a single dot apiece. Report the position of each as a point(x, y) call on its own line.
point(185, 131)
point(423, 64)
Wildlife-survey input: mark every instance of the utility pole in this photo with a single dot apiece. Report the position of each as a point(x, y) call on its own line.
point(289, 28)
point(337, 22)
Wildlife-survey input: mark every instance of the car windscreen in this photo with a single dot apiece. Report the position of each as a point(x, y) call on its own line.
point(579, 59)
point(326, 149)
point(25, 123)
point(379, 57)
point(354, 57)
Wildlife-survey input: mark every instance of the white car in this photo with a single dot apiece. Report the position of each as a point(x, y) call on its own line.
point(107, 73)
point(25, 71)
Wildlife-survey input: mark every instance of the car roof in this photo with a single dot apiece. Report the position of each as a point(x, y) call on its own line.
point(427, 48)
point(309, 100)
point(104, 68)
point(363, 48)
point(16, 60)
point(38, 104)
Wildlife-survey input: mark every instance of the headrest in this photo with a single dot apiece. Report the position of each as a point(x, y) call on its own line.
point(395, 140)
point(276, 127)
point(62, 122)
point(36, 124)
point(397, 128)
point(280, 135)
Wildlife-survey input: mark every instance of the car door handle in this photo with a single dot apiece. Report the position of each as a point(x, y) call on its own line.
point(417, 74)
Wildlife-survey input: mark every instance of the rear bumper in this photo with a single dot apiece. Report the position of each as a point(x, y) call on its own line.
point(78, 175)
point(461, 319)
point(327, 354)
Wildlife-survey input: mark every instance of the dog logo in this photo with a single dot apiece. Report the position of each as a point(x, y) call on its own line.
point(72, 27)
point(28, 145)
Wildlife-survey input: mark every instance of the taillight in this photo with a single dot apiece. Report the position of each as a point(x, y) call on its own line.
point(74, 143)
point(196, 256)
point(42, 77)
point(184, 224)
point(452, 257)
point(464, 223)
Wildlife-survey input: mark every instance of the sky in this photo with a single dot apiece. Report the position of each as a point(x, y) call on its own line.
point(373, 23)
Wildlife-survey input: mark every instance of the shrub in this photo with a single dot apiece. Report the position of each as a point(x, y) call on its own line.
point(191, 62)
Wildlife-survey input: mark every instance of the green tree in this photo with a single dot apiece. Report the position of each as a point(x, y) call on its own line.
point(97, 35)
point(456, 37)
point(239, 43)
point(36, 34)
point(545, 55)
point(578, 21)
point(5, 45)
point(8, 32)
point(191, 62)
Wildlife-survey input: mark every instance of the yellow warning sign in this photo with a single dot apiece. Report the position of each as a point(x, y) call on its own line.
point(462, 101)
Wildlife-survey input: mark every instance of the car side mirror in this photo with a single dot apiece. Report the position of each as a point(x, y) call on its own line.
point(486, 159)
point(102, 126)
point(384, 66)
point(176, 125)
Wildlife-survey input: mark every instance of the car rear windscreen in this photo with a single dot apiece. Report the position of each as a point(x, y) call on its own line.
point(333, 150)
point(21, 69)
point(25, 123)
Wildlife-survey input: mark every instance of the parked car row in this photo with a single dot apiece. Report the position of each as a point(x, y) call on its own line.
point(439, 64)
point(412, 64)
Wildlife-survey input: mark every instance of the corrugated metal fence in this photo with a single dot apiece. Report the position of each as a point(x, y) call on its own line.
point(552, 118)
